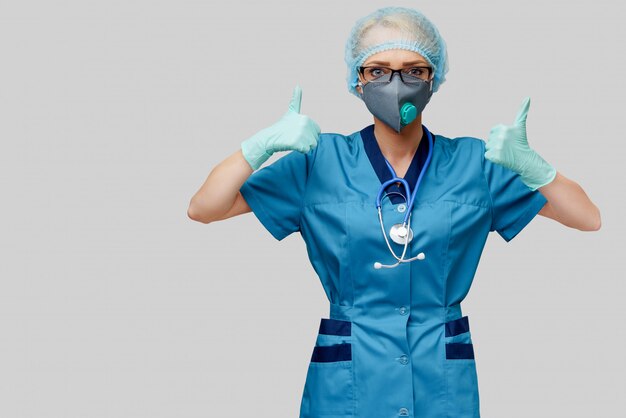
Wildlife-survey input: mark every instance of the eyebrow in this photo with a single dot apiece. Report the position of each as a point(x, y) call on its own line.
point(405, 63)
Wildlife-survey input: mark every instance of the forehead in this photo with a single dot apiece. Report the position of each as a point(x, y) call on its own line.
point(396, 57)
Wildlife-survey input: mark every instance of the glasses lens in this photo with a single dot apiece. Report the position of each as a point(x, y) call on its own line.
point(376, 73)
point(416, 74)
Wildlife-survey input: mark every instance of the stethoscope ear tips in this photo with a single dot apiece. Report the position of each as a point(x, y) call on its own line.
point(378, 265)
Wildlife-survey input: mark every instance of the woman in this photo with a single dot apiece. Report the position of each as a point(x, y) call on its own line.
point(395, 342)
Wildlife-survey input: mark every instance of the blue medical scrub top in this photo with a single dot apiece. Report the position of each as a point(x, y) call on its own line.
point(395, 342)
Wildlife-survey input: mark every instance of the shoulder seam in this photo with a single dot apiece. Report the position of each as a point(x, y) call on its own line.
point(482, 163)
point(306, 184)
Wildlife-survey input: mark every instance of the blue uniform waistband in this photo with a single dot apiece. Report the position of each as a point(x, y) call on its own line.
point(436, 315)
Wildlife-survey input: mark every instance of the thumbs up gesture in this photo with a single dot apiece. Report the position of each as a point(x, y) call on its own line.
point(294, 131)
point(508, 146)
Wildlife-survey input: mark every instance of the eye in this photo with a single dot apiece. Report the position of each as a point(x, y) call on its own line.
point(375, 72)
point(416, 71)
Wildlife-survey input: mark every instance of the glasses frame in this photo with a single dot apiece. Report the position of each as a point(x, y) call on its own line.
point(363, 68)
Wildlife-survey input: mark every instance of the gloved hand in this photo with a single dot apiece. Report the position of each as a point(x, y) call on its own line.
point(508, 146)
point(292, 132)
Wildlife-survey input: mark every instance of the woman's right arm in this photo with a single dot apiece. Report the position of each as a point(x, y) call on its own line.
point(219, 197)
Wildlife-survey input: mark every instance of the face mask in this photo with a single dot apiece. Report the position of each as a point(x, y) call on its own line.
point(395, 102)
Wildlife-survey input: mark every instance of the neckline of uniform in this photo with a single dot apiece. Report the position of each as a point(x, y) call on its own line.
point(377, 159)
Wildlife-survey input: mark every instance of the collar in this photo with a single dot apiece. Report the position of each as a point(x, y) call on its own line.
point(377, 160)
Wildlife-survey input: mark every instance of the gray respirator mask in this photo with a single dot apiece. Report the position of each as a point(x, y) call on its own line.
point(397, 103)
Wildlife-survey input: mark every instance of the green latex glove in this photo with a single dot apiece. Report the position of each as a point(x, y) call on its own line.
point(292, 132)
point(507, 145)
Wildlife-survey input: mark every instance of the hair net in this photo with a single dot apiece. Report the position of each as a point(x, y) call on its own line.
point(395, 28)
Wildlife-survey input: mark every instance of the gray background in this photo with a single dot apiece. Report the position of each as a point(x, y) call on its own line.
point(114, 304)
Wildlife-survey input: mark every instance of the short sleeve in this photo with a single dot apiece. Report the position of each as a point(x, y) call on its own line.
point(275, 192)
point(514, 204)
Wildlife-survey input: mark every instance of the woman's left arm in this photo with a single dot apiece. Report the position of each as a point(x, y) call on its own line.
point(567, 201)
point(569, 204)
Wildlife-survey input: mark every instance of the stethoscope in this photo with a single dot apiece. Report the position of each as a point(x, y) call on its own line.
point(402, 233)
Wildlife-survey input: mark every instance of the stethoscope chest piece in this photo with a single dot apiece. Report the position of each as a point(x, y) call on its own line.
point(398, 234)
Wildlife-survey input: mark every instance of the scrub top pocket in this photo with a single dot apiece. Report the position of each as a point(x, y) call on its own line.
point(460, 370)
point(329, 387)
point(458, 339)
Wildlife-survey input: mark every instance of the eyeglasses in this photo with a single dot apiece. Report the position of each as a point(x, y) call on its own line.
point(383, 74)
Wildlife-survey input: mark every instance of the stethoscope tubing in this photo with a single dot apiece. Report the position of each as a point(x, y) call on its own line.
point(410, 196)
point(409, 199)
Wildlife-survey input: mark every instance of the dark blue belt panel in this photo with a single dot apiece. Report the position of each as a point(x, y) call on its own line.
point(459, 351)
point(336, 352)
point(335, 327)
point(456, 327)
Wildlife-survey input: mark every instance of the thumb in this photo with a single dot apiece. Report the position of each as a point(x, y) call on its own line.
point(520, 119)
point(296, 99)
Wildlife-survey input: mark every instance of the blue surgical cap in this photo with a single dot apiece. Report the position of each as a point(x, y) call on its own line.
point(395, 28)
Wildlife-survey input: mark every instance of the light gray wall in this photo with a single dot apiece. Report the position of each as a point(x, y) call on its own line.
point(114, 304)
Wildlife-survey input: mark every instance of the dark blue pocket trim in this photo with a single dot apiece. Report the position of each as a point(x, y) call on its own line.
point(456, 327)
point(335, 327)
point(328, 353)
point(459, 351)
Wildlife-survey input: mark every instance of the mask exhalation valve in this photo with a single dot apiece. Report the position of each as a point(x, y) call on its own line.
point(408, 113)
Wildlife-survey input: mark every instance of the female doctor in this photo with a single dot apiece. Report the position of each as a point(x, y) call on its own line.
point(395, 218)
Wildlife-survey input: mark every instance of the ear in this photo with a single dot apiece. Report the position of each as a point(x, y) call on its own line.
point(359, 88)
